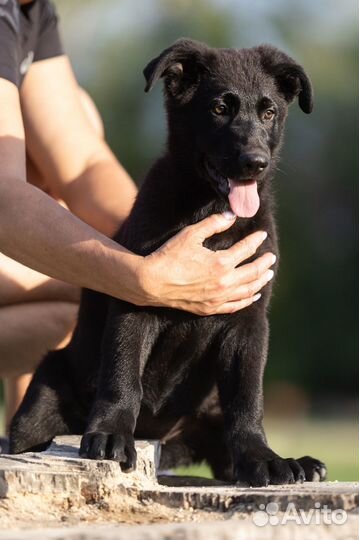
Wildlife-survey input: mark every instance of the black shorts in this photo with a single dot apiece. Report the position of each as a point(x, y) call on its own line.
point(28, 33)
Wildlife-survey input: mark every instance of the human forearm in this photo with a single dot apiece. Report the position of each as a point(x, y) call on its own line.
point(39, 233)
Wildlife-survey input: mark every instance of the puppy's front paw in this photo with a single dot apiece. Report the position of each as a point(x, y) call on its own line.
point(115, 446)
point(260, 472)
point(315, 470)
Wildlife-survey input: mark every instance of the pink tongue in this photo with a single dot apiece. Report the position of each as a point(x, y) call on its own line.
point(243, 198)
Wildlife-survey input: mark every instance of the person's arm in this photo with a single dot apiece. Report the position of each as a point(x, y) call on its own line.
point(39, 233)
point(76, 162)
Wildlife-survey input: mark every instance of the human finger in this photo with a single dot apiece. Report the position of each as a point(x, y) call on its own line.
point(241, 291)
point(232, 307)
point(255, 269)
point(245, 248)
point(214, 224)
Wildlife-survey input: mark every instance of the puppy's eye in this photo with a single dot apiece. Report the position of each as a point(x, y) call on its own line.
point(268, 114)
point(220, 109)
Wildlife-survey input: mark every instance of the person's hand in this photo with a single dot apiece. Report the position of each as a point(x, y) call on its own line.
point(183, 274)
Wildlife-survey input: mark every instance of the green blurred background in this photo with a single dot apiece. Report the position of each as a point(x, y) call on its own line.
point(312, 377)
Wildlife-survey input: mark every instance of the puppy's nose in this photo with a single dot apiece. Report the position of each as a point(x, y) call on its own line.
point(252, 164)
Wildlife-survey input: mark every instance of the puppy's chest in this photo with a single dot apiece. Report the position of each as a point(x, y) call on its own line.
point(180, 368)
point(147, 233)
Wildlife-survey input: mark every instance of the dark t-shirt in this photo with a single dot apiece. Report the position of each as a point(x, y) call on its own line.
point(28, 33)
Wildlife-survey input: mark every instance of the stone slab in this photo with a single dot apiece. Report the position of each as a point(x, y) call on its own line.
point(224, 498)
point(59, 490)
point(60, 470)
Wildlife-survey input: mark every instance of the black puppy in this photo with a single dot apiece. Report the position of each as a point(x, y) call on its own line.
point(193, 382)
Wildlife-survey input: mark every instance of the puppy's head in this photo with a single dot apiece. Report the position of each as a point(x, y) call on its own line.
point(226, 110)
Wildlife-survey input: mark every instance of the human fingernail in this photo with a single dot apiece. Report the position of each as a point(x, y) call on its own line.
point(270, 275)
point(263, 235)
point(228, 215)
point(274, 258)
point(256, 297)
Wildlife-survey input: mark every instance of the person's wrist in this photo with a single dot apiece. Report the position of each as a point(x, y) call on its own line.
point(148, 281)
point(124, 280)
point(144, 282)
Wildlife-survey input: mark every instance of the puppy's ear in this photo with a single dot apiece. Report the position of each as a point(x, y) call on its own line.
point(291, 78)
point(180, 65)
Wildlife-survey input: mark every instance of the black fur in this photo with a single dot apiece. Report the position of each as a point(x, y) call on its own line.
point(193, 382)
